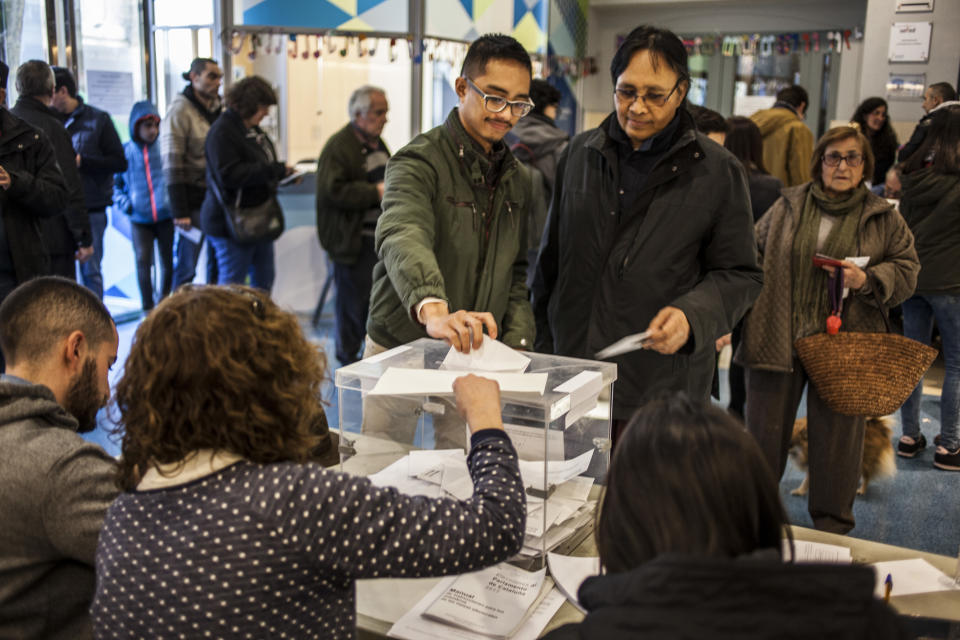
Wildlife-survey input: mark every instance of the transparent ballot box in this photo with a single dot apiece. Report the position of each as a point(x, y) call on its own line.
point(399, 425)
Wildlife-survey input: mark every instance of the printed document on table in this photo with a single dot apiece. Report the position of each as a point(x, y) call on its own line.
point(496, 599)
point(413, 626)
point(808, 552)
point(492, 355)
point(398, 381)
point(569, 572)
point(911, 576)
point(558, 471)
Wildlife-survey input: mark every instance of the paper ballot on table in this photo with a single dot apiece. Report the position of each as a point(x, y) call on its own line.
point(569, 572)
point(805, 551)
point(413, 626)
point(911, 576)
point(495, 600)
point(558, 471)
point(398, 381)
point(623, 345)
point(492, 355)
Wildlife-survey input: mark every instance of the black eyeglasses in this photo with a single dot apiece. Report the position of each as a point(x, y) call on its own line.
point(651, 98)
point(496, 104)
point(833, 159)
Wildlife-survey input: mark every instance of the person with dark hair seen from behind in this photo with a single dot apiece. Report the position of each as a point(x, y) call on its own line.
point(701, 556)
point(649, 230)
point(537, 141)
point(241, 159)
point(183, 134)
point(67, 237)
point(99, 156)
point(223, 446)
point(350, 173)
point(31, 189)
point(837, 216)
point(452, 238)
point(140, 193)
point(710, 123)
point(787, 141)
point(931, 206)
point(872, 117)
point(59, 342)
point(937, 96)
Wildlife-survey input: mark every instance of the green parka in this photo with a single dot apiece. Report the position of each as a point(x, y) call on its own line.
point(444, 233)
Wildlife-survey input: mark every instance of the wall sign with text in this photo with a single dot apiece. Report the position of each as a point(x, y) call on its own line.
point(910, 41)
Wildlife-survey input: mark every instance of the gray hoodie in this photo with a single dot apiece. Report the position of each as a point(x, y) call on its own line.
point(54, 492)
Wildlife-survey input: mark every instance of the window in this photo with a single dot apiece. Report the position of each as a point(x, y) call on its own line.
point(24, 36)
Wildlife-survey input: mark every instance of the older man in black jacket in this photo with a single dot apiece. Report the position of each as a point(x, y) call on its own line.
point(649, 229)
point(67, 236)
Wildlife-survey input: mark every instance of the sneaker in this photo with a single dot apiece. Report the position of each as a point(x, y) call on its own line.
point(909, 447)
point(947, 460)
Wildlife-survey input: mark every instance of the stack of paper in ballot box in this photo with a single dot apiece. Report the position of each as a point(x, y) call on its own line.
point(399, 426)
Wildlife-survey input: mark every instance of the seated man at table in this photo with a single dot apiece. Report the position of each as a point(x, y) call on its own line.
point(700, 555)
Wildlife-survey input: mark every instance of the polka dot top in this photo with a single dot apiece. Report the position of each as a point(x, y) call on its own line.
point(272, 551)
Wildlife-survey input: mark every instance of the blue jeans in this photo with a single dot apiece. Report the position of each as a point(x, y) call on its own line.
point(90, 275)
point(236, 261)
point(919, 313)
point(188, 253)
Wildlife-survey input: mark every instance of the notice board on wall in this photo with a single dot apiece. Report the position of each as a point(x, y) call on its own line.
point(111, 91)
point(910, 41)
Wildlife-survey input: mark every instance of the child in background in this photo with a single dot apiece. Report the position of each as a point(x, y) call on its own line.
point(140, 193)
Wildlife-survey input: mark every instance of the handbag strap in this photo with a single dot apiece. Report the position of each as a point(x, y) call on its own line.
point(836, 298)
point(220, 198)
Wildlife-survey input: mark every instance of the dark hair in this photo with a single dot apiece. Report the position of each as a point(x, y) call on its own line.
point(4, 73)
point(63, 78)
point(543, 95)
point(836, 135)
point(794, 95)
point(34, 78)
point(886, 137)
point(945, 90)
point(745, 141)
point(687, 478)
point(41, 312)
point(493, 46)
point(942, 142)
point(198, 65)
point(220, 368)
point(248, 95)
point(708, 120)
point(663, 46)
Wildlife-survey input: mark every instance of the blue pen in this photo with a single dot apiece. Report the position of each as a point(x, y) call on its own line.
point(888, 587)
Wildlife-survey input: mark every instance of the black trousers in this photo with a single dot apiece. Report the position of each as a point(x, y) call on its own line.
point(353, 283)
point(144, 236)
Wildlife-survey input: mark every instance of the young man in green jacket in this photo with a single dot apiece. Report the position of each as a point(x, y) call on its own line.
point(452, 235)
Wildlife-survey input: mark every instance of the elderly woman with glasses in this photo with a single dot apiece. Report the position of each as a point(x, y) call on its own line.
point(649, 230)
point(834, 215)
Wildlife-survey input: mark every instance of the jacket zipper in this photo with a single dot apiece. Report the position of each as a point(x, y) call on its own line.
point(153, 201)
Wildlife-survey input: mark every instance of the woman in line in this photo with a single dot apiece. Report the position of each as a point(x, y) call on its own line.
point(931, 206)
point(836, 215)
point(872, 118)
point(224, 526)
point(240, 156)
point(700, 555)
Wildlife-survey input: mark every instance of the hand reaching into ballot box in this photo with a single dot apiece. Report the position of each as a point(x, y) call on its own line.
point(462, 330)
point(478, 401)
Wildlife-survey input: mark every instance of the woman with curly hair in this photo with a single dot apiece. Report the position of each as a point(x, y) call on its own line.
point(226, 526)
point(873, 119)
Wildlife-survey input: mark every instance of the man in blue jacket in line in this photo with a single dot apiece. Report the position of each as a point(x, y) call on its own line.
point(99, 156)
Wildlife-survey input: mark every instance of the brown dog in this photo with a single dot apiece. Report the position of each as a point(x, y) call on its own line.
point(878, 455)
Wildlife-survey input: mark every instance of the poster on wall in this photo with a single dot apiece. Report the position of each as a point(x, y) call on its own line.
point(906, 86)
point(111, 91)
point(909, 41)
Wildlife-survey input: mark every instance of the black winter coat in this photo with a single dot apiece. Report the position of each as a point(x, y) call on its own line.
point(235, 160)
point(66, 233)
point(101, 153)
point(678, 597)
point(36, 191)
point(689, 244)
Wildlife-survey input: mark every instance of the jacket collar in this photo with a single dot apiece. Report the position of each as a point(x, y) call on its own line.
point(196, 465)
point(473, 159)
point(209, 114)
point(27, 103)
point(23, 400)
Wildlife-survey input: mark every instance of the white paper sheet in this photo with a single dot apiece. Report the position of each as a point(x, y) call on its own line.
point(492, 355)
point(569, 572)
point(414, 627)
point(911, 576)
point(528, 441)
point(574, 489)
point(193, 234)
point(423, 461)
point(817, 552)
point(623, 345)
point(395, 475)
point(860, 261)
point(398, 381)
point(558, 471)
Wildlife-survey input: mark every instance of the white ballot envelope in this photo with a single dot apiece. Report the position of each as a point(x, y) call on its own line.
point(624, 345)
